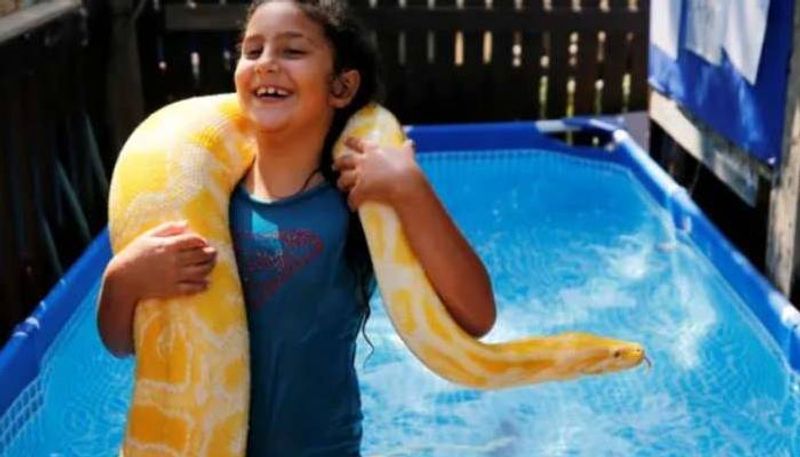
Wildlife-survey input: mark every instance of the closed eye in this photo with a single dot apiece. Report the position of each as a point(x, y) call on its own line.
point(252, 53)
point(294, 52)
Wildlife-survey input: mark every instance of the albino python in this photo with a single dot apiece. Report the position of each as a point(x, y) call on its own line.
point(192, 375)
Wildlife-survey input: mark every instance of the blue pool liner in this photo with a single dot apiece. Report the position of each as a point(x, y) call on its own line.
point(776, 313)
point(21, 358)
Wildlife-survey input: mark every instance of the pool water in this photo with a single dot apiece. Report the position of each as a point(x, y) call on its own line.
point(571, 244)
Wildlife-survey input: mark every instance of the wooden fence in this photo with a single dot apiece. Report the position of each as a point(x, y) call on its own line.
point(53, 181)
point(443, 60)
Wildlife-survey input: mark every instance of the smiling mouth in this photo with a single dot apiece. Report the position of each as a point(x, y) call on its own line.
point(271, 93)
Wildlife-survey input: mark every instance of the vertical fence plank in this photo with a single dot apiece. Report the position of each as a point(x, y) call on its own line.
point(555, 66)
point(558, 62)
point(444, 86)
point(386, 44)
point(613, 72)
point(150, 34)
point(505, 103)
point(638, 63)
point(527, 76)
point(213, 76)
point(416, 70)
point(470, 71)
point(123, 79)
point(178, 78)
point(614, 62)
point(586, 77)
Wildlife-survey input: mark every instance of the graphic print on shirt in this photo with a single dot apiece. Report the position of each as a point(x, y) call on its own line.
point(268, 260)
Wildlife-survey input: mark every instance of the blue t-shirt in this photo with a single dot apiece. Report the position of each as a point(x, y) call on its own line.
point(303, 319)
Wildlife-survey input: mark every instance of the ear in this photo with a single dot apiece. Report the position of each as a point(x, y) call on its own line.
point(344, 87)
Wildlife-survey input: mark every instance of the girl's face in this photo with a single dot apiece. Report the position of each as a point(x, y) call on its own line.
point(283, 76)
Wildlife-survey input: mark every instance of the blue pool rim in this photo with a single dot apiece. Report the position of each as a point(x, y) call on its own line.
point(21, 357)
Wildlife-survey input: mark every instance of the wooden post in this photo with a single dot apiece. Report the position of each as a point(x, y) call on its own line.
point(783, 257)
point(124, 83)
point(731, 164)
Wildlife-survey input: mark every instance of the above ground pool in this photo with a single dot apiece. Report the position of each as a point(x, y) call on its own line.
point(591, 239)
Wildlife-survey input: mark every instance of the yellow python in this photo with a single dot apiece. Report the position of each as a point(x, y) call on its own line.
point(192, 374)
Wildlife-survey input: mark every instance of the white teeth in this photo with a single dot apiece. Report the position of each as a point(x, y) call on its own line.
point(271, 90)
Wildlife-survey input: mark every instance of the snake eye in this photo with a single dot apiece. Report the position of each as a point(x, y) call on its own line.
point(617, 353)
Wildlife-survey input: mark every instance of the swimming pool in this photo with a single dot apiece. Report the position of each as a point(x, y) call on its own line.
point(575, 239)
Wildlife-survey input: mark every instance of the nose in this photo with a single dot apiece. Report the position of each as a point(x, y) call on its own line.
point(267, 63)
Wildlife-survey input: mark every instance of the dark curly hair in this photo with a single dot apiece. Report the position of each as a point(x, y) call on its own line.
point(352, 51)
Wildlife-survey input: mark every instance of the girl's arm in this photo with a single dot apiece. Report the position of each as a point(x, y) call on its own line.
point(455, 271)
point(163, 262)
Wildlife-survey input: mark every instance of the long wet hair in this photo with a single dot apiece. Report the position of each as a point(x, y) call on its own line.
point(352, 51)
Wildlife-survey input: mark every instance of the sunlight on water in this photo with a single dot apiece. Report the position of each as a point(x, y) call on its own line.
point(570, 245)
point(579, 245)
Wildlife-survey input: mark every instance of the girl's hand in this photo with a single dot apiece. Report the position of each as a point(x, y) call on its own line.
point(372, 173)
point(165, 261)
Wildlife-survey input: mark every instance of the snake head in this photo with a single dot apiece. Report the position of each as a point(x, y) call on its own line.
point(596, 355)
point(627, 355)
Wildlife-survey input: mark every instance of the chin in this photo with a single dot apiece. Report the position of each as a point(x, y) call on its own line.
point(268, 125)
point(268, 122)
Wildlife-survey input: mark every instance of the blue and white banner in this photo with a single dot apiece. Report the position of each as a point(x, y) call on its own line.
point(727, 62)
point(665, 25)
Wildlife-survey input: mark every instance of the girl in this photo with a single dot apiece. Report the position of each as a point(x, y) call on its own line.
point(304, 68)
